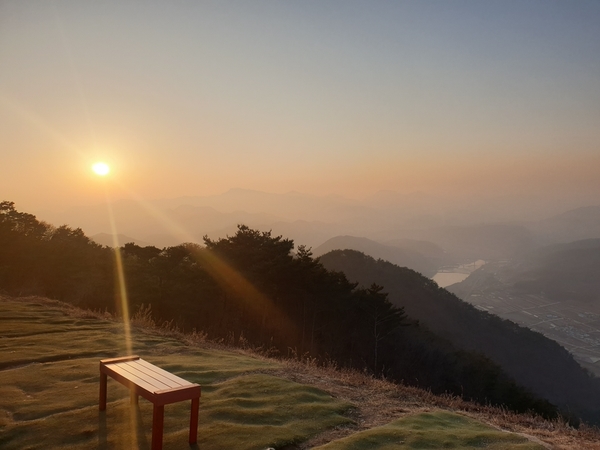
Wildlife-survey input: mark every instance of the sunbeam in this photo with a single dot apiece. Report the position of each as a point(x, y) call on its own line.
point(232, 281)
point(122, 304)
point(227, 277)
point(121, 297)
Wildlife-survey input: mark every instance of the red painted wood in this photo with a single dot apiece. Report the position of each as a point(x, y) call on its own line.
point(152, 368)
point(118, 360)
point(154, 384)
point(128, 377)
point(158, 415)
point(151, 376)
point(102, 403)
point(194, 420)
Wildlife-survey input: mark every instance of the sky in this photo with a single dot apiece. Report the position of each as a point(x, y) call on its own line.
point(456, 98)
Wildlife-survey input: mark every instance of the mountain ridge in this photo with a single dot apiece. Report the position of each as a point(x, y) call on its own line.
point(398, 255)
point(527, 356)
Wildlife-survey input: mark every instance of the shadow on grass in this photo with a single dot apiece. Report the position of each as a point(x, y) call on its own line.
point(102, 442)
point(137, 431)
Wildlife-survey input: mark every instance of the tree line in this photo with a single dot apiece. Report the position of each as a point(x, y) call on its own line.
point(254, 287)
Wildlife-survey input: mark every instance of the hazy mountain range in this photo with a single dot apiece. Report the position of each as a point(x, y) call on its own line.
point(404, 256)
point(525, 278)
point(532, 275)
point(448, 233)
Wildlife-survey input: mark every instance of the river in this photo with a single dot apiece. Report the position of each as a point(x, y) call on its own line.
point(451, 275)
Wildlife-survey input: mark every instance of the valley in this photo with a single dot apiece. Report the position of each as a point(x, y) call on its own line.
point(574, 326)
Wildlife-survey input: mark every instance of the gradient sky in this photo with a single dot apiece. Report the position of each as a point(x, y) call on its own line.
point(325, 97)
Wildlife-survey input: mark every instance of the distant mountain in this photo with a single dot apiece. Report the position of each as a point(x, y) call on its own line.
point(200, 220)
point(429, 250)
point(307, 219)
point(466, 232)
point(108, 240)
point(289, 206)
point(564, 272)
point(161, 227)
point(506, 241)
point(573, 225)
point(488, 241)
point(405, 257)
point(303, 232)
point(538, 363)
point(568, 273)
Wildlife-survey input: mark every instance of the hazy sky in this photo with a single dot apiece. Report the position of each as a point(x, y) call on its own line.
point(327, 97)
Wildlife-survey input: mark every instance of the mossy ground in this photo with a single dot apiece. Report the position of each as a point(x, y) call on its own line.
point(54, 403)
point(433, 430)
point(49, 395)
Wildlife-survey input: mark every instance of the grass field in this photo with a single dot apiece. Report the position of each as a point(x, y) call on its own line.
point(434, 430)
point(49, 395)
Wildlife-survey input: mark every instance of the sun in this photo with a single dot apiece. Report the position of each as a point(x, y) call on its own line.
point(101, 168)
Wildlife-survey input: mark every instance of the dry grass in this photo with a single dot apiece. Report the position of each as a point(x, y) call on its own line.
point(378, 402)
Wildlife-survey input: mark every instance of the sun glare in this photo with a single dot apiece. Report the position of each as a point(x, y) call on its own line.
point(101, 169)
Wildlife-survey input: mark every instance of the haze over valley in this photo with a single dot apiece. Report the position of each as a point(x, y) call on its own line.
point(469, 231)
point(499, 262)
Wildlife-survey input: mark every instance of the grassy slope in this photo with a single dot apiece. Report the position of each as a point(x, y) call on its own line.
point(54, 404)
point(49, 395)
point(434, 430)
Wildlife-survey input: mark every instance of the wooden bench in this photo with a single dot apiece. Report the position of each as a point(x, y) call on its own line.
point(154, 384)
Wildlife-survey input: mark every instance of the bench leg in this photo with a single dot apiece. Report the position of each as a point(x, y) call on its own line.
point(102, 403)
point(157, 426)
point(133, 397)
point(194, 420)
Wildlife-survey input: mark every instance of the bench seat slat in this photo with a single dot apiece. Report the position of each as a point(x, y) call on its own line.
point(150, 376)
point(141, 374)
point(151, 367)
point(163, 372)
point(141, 382)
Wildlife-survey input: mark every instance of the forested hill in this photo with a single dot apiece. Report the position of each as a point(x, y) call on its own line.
point(256, 289)
point(538, 363)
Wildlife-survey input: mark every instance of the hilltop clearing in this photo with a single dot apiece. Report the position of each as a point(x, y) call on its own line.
point(49, 389)
point(49, 393)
